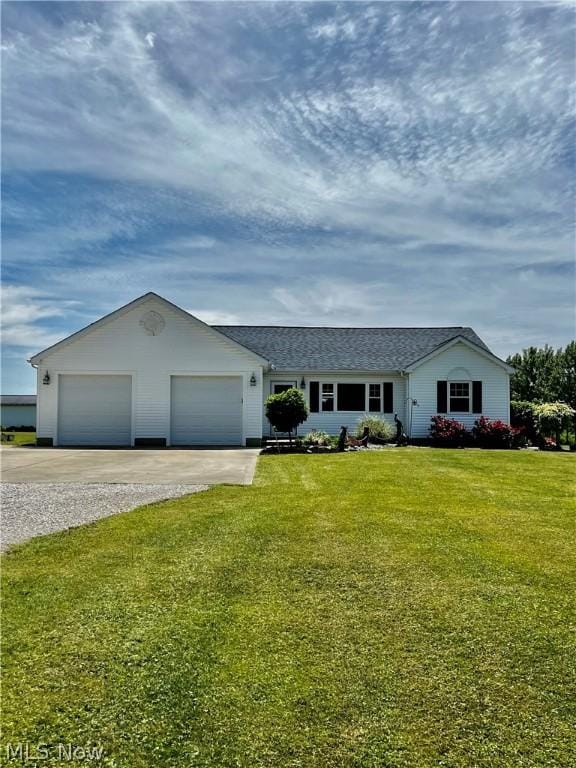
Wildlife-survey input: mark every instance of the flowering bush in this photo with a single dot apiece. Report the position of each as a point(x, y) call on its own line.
point(490, 433)
point(552, 418)
point(379, 429)
point(317, 437)
point(448, 433)
point(548, 444)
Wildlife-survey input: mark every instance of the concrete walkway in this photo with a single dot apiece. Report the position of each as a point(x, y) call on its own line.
point(165, 467)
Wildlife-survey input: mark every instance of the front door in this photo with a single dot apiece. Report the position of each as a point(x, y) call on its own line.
point(276, 388)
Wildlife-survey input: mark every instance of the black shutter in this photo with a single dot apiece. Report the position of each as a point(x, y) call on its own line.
point(476, 397)
point(388, 405)
point(441, 397)
point(314, 396)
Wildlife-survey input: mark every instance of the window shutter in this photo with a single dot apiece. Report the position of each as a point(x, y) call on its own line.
point(441, 397)
point(314, 396)
point(476, 397)
point(388, 405)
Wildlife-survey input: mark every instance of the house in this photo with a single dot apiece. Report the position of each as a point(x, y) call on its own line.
point(152, 374)
point(18, 411)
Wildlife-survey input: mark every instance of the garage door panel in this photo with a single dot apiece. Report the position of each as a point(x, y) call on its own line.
point(206, 410)
point(95, 410)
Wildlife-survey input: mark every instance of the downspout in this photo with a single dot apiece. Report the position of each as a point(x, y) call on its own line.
point(405, 376)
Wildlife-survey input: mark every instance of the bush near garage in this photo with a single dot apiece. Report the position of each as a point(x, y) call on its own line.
point(286, 410)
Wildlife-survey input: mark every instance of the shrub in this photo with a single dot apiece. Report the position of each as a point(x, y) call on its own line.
point(490, 433)
point(286, 410)
point(448, 433)
point(552, 418)
point(522, 417)
point(548, 444)
point(379, 429)
point(520, 437)
point(317, 437)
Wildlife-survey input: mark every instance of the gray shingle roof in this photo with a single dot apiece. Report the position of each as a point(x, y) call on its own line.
point(330, 349)
point(17, 399)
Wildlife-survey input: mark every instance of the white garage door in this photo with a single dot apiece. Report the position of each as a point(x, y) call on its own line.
point(94, 410)
point(206, 410)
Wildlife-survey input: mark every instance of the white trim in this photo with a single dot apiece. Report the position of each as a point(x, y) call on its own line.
point(336, 382)
point(283, 382)
point(380, 385)
point(470, 388)
point(452, 342)
point(37, 358)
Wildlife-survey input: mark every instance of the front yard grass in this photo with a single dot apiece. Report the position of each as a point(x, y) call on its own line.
point(405, 608)
point(19, 438)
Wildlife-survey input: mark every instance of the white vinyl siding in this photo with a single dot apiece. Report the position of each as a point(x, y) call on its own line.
point(331, 421)
point(95, 410)
point(206, 410)
point(185, 346)
point(459, 363)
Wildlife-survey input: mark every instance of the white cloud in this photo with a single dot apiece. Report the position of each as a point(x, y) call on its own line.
point(23, 309)
point(216, 316)
point(385, 165)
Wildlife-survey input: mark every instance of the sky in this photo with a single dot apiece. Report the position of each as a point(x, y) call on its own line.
point(288, 163)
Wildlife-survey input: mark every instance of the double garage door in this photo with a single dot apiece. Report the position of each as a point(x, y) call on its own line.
point(97, 410)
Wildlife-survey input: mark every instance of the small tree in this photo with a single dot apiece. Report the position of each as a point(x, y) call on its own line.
point(552, 418)
point(286, 410)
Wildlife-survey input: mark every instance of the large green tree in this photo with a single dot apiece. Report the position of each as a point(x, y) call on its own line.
point(567, 388)
point(543, 375)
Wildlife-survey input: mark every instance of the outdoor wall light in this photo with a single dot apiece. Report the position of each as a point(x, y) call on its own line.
point(46, 379)
point(302, 383)
point(253, 380)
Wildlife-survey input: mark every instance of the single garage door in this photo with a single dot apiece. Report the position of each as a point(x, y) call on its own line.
point(94, 410)
point(206, 410)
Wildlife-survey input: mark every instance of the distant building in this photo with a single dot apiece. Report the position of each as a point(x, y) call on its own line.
point(18, 411)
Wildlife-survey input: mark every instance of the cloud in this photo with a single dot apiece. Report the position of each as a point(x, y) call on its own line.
point(216, 317)
point(386, 163)
point(23, 310)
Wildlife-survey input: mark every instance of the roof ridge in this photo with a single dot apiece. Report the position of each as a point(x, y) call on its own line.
point(355, 327)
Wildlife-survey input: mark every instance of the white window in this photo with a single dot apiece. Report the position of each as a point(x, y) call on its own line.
point(349, 396)
point(459, 397)
point(375, 398)
point(327, 397)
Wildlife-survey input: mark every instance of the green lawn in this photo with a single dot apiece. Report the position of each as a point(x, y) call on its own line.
point(407, 608)
point(21, 438)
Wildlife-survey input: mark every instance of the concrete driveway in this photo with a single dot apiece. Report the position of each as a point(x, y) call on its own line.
point(165, 467)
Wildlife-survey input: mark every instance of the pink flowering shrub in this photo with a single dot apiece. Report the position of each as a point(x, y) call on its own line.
point(548, 444)
point(448, 433)
point(492, 433)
